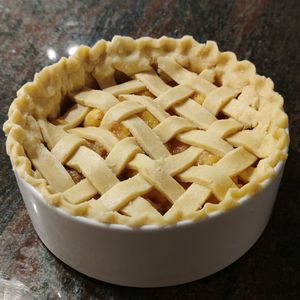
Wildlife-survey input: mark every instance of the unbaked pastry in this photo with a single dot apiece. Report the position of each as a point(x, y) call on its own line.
point(147, 131)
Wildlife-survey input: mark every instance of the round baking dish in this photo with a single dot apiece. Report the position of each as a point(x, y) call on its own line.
point(152, 256)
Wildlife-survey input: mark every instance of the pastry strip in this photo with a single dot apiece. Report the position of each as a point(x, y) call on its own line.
point(242, 113)
point(177, 163)
point(209, 176)
point(194, 112)
point(128, 87)
point(121, 111)
point(80, 192)
point(223, 128)
point(151, 106)
point(183, 76)
point(50, 168)
point(146, 138)
point(96, 99)
point(236, 161)
point(51, 133)
point(206, 141)
point(154, 173)
point(102, 136)
point(66, 147)
point(93, 167)
point(121, 154)
point(171, 126)
point(123, 192)
point(153, 82)
point(73, 117)
point(173, 96)
point(192, 199)
point(215, 100)
point(256, 141)
point(139, 207)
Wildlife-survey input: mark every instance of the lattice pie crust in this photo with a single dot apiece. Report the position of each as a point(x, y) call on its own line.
point(147, 131)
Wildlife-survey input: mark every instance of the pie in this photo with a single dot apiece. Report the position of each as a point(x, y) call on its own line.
point(147, 131)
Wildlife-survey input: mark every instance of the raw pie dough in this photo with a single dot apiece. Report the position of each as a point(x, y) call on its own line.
point(147, 131)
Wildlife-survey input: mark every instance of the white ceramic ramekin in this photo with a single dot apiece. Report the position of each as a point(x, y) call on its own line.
point(151, 256)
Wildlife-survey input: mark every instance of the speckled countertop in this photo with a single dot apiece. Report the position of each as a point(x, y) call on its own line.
point(36, 33)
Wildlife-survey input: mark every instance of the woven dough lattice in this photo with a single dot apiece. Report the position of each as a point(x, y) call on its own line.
point(147, 131)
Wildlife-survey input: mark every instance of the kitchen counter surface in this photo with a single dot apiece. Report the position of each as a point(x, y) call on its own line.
point(34, 34)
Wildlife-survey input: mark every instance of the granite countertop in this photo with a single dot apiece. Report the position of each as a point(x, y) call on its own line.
point(36, 33)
